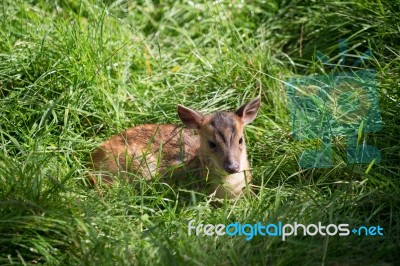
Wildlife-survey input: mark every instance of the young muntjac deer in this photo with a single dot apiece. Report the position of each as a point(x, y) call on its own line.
point(213, 143)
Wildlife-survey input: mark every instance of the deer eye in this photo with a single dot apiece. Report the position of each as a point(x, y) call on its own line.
point(212, 145)
point(241, 140)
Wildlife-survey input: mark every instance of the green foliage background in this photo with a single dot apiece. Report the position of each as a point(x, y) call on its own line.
point(73, 73)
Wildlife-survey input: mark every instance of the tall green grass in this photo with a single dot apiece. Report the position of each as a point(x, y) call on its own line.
point(73, 73)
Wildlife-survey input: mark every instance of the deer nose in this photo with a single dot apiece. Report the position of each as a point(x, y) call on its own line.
point(231, 167)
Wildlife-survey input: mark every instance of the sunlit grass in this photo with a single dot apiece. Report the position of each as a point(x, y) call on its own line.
point(73, 73)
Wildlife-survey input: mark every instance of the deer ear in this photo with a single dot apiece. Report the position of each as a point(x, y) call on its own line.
point(189, 117)
point(248, 111)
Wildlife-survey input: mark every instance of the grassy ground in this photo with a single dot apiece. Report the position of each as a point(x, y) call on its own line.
point(73, 73)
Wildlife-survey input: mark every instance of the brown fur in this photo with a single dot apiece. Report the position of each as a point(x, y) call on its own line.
point(136, 151)
point(150, 149)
